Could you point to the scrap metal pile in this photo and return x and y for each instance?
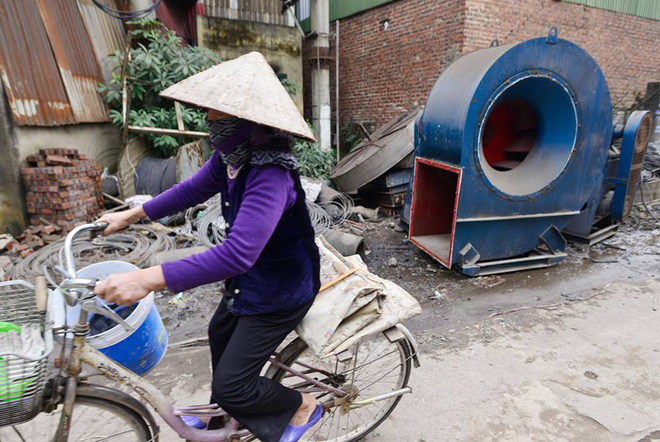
(379, 169)
(328, 209)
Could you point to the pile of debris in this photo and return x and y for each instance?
(32, 239)
(378, 170)
(63, 188)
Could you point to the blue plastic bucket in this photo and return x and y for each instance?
(139, 350)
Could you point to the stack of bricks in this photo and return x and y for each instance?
(63, 188)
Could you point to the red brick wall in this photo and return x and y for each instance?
(626, 47)
(385, 72)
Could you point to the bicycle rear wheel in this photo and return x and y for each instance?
(376, 367)
(94, 420)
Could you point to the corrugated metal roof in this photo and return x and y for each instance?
(76, 58)
(641, 8)
(29, 71)
(262, 11)
(49, 69)
(107, 34)
(344, 8)
(339, 9)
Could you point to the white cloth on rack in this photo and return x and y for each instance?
(356, 306)
(27, 343)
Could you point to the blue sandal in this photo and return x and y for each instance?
(294, 432)
(194, 421)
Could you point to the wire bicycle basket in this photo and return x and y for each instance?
(25, 344)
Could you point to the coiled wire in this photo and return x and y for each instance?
(338, 209)
(136, 245)
(206, 223)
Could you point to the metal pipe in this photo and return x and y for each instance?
(64, 424)
(69, 261)
(346, 243)
(293, 371)
(338, 138)
(514, 217)
(379, 398)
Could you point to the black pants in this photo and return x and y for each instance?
(240, 346)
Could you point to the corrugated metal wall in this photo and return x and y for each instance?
(303, 9)
(262, 11)
(49, 68)
(106, 34)
(641, 8)
(29, 71)
(76, 58)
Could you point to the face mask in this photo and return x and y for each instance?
(227, 134)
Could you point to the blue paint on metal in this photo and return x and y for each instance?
(623, 174)
(509, 210)
(581, 225)
(407, 203)
(554, 105)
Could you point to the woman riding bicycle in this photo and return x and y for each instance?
(269, 261)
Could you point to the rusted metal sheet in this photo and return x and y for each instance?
(106, 34)
(262, 11)
(385, 148)
(29, 70)
(76, 58)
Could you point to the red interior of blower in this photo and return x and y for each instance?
(509, 135)
(435, 196)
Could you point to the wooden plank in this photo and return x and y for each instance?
(173, 132)
(179, 118)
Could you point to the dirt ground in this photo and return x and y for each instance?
(563, 353)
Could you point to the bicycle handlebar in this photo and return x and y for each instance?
(69, 261)
(73, 287)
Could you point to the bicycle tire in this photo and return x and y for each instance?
(297, 348)
(45, 424)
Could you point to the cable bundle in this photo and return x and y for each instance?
(136, 245)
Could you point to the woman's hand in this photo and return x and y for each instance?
(129, 288)
(121, 220)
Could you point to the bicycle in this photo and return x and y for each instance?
(358, 388)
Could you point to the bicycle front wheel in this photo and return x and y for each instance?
(93, 420)
(375, 368)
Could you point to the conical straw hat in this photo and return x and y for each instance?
(245, 87)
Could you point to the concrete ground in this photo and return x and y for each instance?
(569, 353)
(581, 371)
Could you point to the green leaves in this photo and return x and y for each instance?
(141, 117)
(290, 86)
(312, 161)
(158, 59)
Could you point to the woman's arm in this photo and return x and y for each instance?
(268, 194)
(196, 189)
(188, 193)
(129, 288)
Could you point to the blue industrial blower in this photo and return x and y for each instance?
(513, 154)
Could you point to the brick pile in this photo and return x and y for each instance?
(63, 188)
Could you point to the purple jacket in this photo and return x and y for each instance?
(269, 192)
